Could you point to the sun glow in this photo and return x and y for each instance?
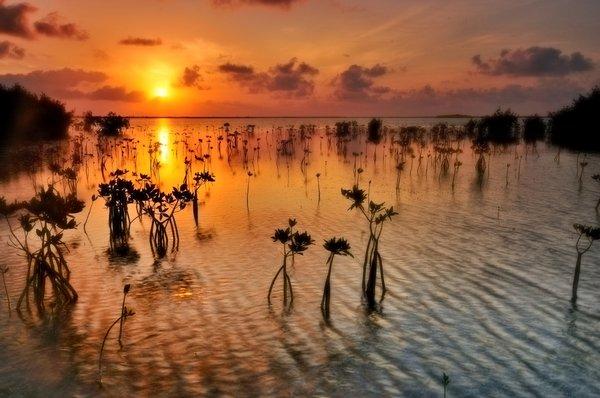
(161, 92)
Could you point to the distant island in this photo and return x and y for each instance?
(455, 116)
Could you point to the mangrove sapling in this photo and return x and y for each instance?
(48, 214)
(334, 246)
(596, 178)
(591, 234)
(126, 289)
(117, 195)
(3, 271)
(125, 313)
(161, 208)
(457, 164)
(583, 165)
(248, 190)
(445, 382)
(376, 215)
(200, 179)
(293, 243)
(319, 187)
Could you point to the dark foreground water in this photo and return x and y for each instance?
(478, 279)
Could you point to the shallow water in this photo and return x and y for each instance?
(478, 279)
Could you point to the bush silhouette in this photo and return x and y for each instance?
(502, 127)
(534, 129)
(109, 125)
(27, 116)
(575, 126)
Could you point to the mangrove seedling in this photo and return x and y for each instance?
(596, 178)
(376, 214)
(445, 382)
(117, 195)
(248, 190)
(293, 242)
(161, 208)
(319, 187)
(48, 214)
(334, 246)
(590, 234)
(126, 289)
(200, 179)
(125, 313)
(3, 271)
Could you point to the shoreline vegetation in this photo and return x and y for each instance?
(27, 117)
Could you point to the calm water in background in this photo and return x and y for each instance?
(482, 298)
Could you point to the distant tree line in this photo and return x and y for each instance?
(27, 116)
(574, 126)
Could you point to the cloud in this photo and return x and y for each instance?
(191, 77)
(66, 84)
(292, 79)
(236, 70)
(9, 50)
(111, 93)
(14, 21)
(534, 61)
(284, 4)
(51, 26)
(141, 41)
(358, 83)
(546, 95)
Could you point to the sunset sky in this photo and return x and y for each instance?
(302, 57)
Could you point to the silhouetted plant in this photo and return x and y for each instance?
(502, 127)
(575, 126)
(109, 125)
(48, 214)
(161, 208)
(250, 174)
(457, 164)
(293, 242)
(4, 271)
(374, 134)
(376, 214)
(445, 382)
(319, 187)
(125, 313)
(596, 178)
(591, 234)
(334, 246)
(534, 129)
(582, 166)
(480, 149)
(26, 116)
(200, 179)
(117, 195)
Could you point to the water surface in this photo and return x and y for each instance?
(478, 277)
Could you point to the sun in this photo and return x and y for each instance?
(161, 92)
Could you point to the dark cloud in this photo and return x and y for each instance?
(290, 79)
(534, 61)
(111, 93)
(66, 84)
(141, 41)
(52, 26)
(285, 4)
(547, 95)
(9, 50)
(191, 77)
(13, 19)
(358, 83)
(235, 69)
